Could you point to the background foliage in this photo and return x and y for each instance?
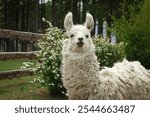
(134, 29)
(26, 15)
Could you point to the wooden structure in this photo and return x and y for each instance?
(12, 41)
(17, 55)
(19, 35)
(15, 74)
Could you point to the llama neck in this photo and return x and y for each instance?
(80, 75)
(81, 66)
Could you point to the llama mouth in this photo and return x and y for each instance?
(80, 44)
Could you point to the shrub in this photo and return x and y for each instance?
(49, 57)
(107, 53)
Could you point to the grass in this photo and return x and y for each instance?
(12, 64)
(22, 88)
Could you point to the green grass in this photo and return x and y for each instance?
(12, 64)
(22, 88)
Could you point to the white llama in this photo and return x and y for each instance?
(81, 75)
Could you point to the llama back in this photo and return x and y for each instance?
(126, 80)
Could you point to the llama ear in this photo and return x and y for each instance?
(68, 23)
(89, 23)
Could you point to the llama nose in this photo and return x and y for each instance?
(80, 39)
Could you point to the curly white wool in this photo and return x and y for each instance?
(81, 75)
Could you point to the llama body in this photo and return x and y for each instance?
(81, 75)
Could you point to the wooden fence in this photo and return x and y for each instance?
(19, 35)
(12, 41)
(15, 74)
(17, 55)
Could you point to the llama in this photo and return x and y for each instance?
(81, 75)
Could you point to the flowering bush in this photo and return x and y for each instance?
(49, 60)
(107, 53)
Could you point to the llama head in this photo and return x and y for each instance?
(79, 35)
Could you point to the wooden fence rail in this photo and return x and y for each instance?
(15, 74)
(19, 35)
(17, 55)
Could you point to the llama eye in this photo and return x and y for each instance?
(87, 36)
(71, 35)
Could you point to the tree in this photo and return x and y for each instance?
(133, 28)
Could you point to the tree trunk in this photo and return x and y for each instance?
(5, 3)
(36, 15)
(68, 6)
(75, 12)
(53, 12)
